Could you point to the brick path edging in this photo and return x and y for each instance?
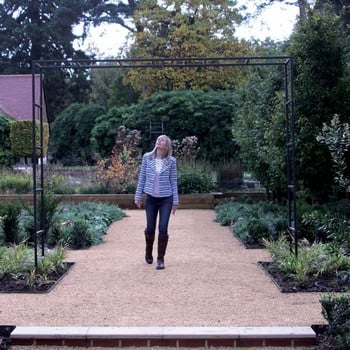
(205, 337)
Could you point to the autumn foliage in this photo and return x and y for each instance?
(119, 172)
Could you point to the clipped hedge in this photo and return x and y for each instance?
(22, 138)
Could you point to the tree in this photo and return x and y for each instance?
(108, 88)
(105, 131)
(33, 30)
(322, 87)
(259, 128)
(70, 134)
(177, 29)
(106, 12)
(206, 115)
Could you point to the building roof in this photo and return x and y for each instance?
(16, 96)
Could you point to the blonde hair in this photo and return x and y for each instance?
(168, 150)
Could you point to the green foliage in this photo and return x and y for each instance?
(337, 138)
(9, 213)
(229, 212)
(81, 236)
(336, 310)
(108, 88)
(321, 91)
(207, 115)
(312, 259)
(25, 229)
(96, 189)
(18, 262)
(22, 138)
(86, 221)
(70, 134)
(253, 222)
(57, 183)
(326, 223)
(16, 183)
(66, 223)
(6, 155)
(259, 127)
(105, 131)
(195, 181)
(15, 260)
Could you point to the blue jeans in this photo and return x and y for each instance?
(155, 205)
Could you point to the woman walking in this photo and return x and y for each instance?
(158, 180)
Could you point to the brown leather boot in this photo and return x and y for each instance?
(162, 244)
(149, 247)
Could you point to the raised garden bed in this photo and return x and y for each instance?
(319, 284)
(11, 284)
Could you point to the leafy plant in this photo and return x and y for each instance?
(252, 222)
(337, 138)
(9, 212)
(336, 310)
(25, 228)
(81, 236)
(193, 178)
(16, 183)
(15, 260)
(82, 225)
(18, 262)
(312, 259)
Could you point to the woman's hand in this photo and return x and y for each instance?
(138, 204)
(174, 209)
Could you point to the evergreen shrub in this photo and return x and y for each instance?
(253, 222)
(194, 179)
(336, 310)
(9, 213)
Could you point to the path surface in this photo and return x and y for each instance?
(210, 280)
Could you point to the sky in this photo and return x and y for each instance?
(276, 23)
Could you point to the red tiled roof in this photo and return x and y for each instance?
(16, 96)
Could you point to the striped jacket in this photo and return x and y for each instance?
(167, 178)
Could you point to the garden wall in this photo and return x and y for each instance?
(126, 201)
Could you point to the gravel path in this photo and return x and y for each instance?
(210, 280)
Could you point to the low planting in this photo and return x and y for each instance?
(17, 264)
(15, 183)
(322, 262)
(252, 222)
(75, 225)
(314, 261)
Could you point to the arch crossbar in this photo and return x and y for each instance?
(40, 66)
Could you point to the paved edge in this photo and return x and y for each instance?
(164, 336)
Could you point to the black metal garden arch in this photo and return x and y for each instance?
(40, 66)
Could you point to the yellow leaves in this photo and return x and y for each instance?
(119, 171)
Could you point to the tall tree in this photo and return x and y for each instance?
(191, 28)
(34, 30)
(108, 88)
(119, 13)
(321, 90)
